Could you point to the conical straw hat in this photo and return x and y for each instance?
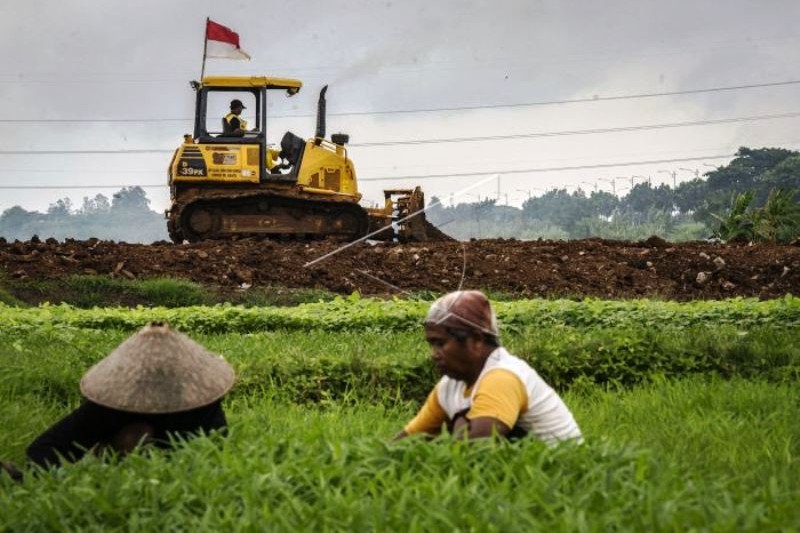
(158, 370)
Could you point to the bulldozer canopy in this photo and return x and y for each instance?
(247, 82)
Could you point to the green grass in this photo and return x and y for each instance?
(675, 455)
(7, 298)
(86, 292)
(317, 366)
(690, 413)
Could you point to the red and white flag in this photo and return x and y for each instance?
(223, 42)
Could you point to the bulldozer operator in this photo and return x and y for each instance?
(233, 125)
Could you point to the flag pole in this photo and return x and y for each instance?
(205, 50)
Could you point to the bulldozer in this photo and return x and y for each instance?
(226, 185)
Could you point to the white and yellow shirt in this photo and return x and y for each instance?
(507, 389)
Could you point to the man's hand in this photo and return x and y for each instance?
(401, 435)
(478, 428)
(460, 425)
(486, 426)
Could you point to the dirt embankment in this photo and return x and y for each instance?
(538, 268)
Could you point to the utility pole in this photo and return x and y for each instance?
(613, 182)
(695, 171)
(451, 199)
(673, 174)
(498, 188)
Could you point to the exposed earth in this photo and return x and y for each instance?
(592, 267)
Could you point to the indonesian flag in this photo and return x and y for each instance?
(223, 42)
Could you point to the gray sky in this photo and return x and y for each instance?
(133, 60)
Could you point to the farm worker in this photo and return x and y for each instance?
(233, 124)
(484, 389)
(157, 383)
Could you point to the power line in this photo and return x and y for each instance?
(421, 176)
(581, 132)
(560, 133)
(551, 169)
(86, 152)
(583, 100)
(436, 109)
(59, 187)
(78, 171)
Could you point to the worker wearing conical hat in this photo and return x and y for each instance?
(484, 389)
(157, 383)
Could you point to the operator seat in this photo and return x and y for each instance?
(292, 148)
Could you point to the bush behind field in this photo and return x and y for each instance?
(321, 366)
(355, 313)
(87, 291)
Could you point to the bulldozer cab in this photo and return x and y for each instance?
(214, 95)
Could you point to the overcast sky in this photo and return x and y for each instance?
(94, 60)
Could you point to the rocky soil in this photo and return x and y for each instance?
(593, 267)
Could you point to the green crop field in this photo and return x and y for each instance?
(691, 414)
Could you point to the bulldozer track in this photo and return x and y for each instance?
(265, 215)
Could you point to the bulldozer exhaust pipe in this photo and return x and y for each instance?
(321, 116)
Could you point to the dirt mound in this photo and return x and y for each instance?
(537, 268)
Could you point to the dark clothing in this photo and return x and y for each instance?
(92, 424)
(232, 124)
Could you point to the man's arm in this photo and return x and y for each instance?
(498, 402)
(81, 430)
(482, 427)
(429, 419)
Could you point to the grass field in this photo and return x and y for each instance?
(687, 426)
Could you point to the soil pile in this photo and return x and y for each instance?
(592, 267)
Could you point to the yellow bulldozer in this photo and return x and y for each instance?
(233, 184)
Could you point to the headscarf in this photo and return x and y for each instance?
(468, 310)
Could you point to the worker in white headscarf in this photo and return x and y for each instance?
(484, 390)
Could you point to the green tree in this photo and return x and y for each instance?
(748, 171)
(60, 208)
(690, 195)
(603, 203)
(558, 207)
(779, 219)
(743, 172)
(130, 199)
(95, 206)
(737, 223)
(785, 175)
(644, 197)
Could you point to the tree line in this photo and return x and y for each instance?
(768, 178)
(126, 216)
(754, 197)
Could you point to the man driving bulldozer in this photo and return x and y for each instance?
(233, 124)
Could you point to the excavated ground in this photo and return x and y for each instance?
(593, 267)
